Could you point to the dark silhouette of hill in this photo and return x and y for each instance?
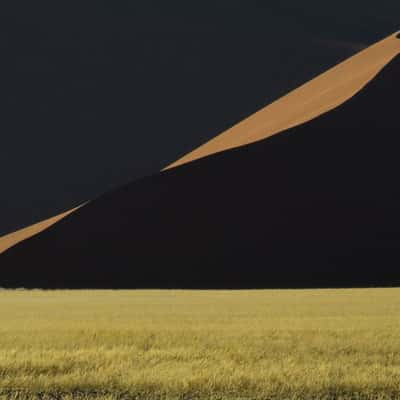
(315, 206)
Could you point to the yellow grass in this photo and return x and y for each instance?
(280, 344)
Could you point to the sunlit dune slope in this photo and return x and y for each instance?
(310, 100)
(316, 206)
(11, 239)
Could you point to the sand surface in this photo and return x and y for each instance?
(314, 98)
(13, 238)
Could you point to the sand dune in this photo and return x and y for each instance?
(11, 239)
(303, 104)
(316, 206)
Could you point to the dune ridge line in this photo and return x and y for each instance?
(318, 96)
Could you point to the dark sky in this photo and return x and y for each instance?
(96, 94)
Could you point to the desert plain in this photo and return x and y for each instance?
(182, 344)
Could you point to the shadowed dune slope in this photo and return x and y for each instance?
(310, 100)
(317, 205)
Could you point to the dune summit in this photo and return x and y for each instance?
(310, 100)
(316, 206)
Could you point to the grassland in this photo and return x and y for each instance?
(289, 344)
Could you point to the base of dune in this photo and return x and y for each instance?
(277, 344)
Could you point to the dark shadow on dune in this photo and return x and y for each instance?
(315, 206)
(398, 36)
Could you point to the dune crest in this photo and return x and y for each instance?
(314, 98)
(310, 100)
(13, 238)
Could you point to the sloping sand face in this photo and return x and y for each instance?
(303, 104)
(13, 238)
(316, 97)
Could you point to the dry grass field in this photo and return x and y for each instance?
(153, 344)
